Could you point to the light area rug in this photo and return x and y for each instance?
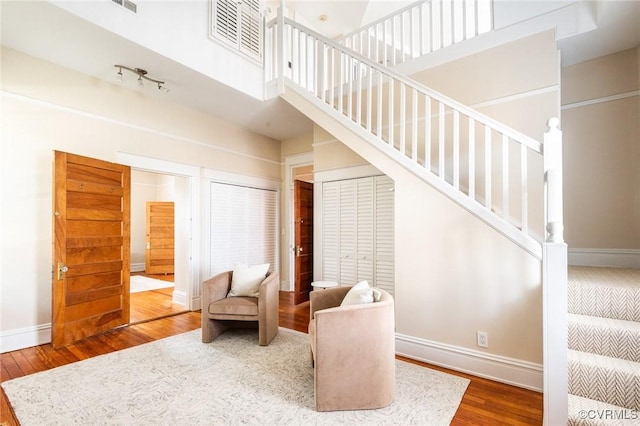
(140, 283)
(230, 381)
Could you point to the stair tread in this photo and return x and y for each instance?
(603, 361)
(612, 380)
(605, 276)
(585, 411)
(604, 322)
(604, 336)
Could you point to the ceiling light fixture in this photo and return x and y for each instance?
(142, 75)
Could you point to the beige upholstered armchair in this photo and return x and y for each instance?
(353, 350)
(220, 311)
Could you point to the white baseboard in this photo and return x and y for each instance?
(137, 267)
(511, 371)
(27, 337)
(180, 297)
(617, 258)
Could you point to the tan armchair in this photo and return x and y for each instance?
(220, 312)
(353, 351)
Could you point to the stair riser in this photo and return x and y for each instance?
(621, 388)
(605, 301)
(615, 343)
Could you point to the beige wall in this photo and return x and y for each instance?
(45, 108)
(330, 154)
(452, 268)
(454, 274)
(602, 152)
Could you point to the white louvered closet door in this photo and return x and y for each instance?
(243, 227)
(384, 234)
(357, 231)
(348, 227)
(330, 230)
(365, 241)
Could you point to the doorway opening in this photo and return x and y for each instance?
(157, 200)
(302, 232)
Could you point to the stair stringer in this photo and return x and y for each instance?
(379, 153)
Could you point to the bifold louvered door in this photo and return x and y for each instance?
(244, 227)
(357, 231)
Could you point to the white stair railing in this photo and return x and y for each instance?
(419, 29)
(476, 160)
(483, 165)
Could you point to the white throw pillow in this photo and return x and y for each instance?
(359, 294)
(247, 279)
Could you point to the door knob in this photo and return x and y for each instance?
(298, 250)
(62, 268)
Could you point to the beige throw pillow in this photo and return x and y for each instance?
(246, 279)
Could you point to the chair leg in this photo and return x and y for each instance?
(266, 334)
(212, 329)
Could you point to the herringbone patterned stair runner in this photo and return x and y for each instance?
(605, 336)
(587, 412)
(604, 346)
(605, 292)
(612, 380)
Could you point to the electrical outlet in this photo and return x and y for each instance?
(483, 339)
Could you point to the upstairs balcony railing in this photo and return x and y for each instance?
(419, 29)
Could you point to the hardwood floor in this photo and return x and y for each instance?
(484, 403)
(152, 304)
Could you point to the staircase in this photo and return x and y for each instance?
(604, 346)
(400, 126)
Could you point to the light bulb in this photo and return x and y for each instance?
(119, 76)
(163, 89)
(140, 82)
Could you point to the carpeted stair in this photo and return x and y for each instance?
(604, 346)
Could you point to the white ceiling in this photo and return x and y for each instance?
(45, 31)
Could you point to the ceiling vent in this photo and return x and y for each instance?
(127, 4)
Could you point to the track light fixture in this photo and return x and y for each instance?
(142, 75)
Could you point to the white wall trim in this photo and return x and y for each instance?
(501, 369)
(134, 126)
(27, 337)
(193, 211)
(299, 159)
(180, 297)
(516, 97)
(137, 267)
(343, 173)
(212, 175)
(616, 258)
(600, 100)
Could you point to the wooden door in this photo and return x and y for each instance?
(91, 225)
(303, 217)
(159, 258)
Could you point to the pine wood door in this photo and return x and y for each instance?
(159, 257)
(91, 225)
(303, 216)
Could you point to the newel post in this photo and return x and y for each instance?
(554, 285)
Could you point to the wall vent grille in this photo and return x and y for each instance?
(127, 4)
